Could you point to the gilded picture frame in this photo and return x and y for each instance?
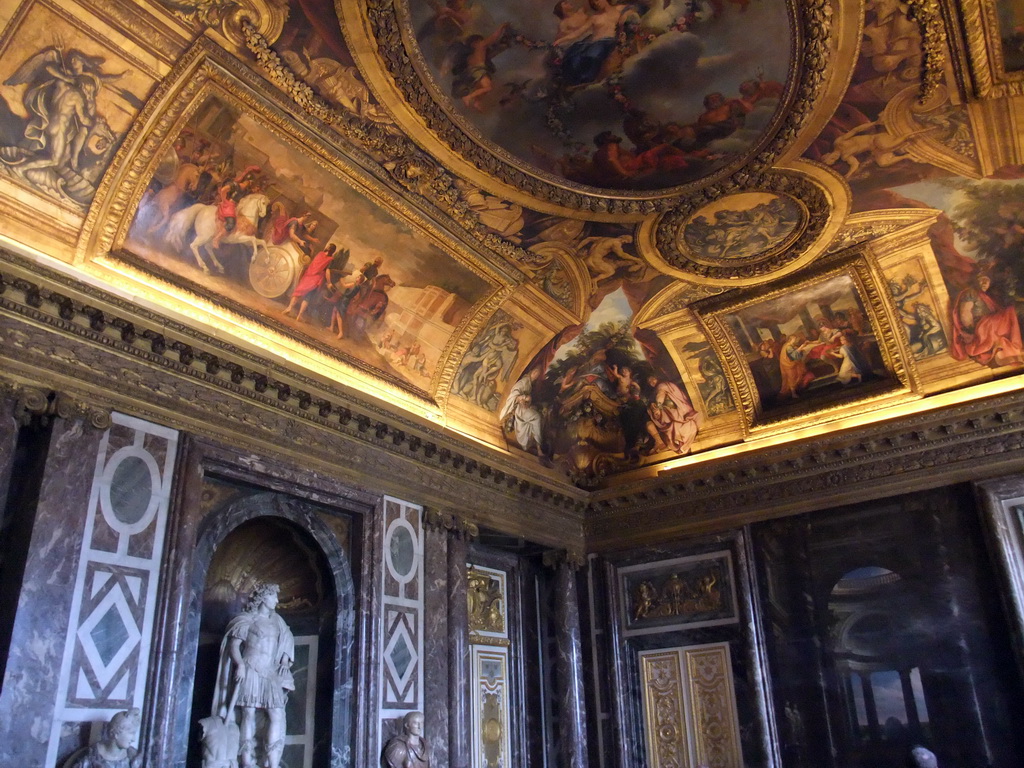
(682, 593)
(981, 47)
(812, 349)
(206, 73)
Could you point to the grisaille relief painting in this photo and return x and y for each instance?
(237, 211)
(618, 96)
(694, 591)
(66, 100)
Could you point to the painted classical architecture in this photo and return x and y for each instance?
(486, 383)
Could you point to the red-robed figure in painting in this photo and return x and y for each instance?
(984, 331)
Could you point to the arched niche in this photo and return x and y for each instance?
(879, 651)
(274, 537)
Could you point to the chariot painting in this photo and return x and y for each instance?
(238, 211)
(626, 96)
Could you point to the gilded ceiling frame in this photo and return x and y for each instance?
(891, 345)
(980, 62)
(207, 71)
(379, 34)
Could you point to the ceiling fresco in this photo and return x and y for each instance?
(604, 238)
(615, 96)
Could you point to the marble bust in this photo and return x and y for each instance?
(115, 749)
(408, 749)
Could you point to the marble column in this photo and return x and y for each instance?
(435, 642)
(459, 673)
(30, 686)
(572, 714)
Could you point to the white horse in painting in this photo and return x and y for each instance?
(251, 209)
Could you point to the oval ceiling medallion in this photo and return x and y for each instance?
(605, 106)
(743, 228)
(742, 236)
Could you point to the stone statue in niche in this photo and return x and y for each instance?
(409, 749)
(115, 749)
(255, 675)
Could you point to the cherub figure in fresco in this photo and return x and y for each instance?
(474, 66)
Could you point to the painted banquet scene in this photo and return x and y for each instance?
(511, 384)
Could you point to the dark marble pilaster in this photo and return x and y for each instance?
(459, 673)
(572, 716)
(28, 697)
(9, 427)
(435, 633)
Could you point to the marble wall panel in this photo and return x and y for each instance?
(31, 681)
(435, 641)
(402, 609)
(106, 652)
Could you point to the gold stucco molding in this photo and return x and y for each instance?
(378, 34)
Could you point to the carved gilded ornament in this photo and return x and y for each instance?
(380, 34)
(204, 73)
(979, 42)
(664, 710)
(729, 235)
(722, 319)
(689, 707)
(488, 606)
(228, 16)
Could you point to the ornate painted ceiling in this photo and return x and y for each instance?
(607, 239)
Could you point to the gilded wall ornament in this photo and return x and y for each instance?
(485, 594)
(729, 235)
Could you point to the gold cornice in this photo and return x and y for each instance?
(95, 316)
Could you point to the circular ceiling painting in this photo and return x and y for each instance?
(743, 227)
(629, 96)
